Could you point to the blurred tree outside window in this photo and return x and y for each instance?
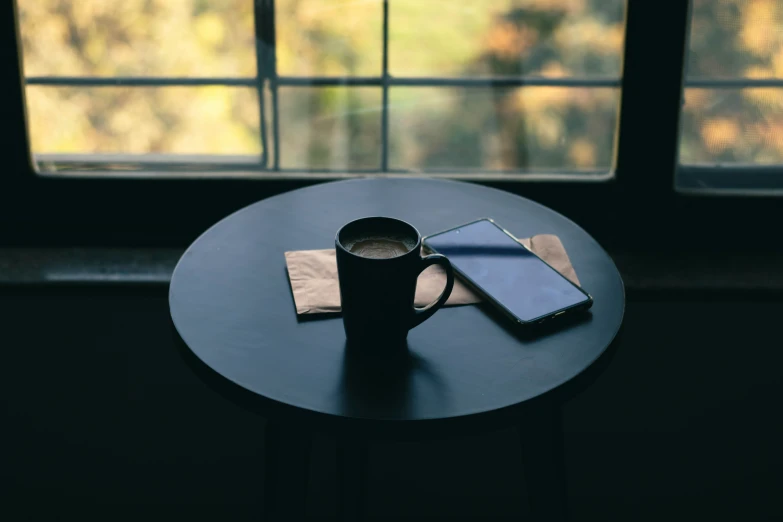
(733, 97)
(324, 105)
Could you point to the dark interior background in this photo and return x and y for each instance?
(101, 418)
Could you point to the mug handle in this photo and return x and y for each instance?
(422, 314)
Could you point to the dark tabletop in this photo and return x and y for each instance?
(231, 304)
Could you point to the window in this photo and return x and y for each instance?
(488, 89)
(731, 134)
(145, 133)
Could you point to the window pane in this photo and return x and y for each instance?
(335, 128)
(324, 125)
(732, 126)
(736, 123)
(506, 37)
(137, 37)
(143, 120)
(528, 128)
(329, 38)
(736, 38)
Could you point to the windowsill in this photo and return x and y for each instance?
(19, 266)
(641, 273)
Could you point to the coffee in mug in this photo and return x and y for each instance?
(379, 247)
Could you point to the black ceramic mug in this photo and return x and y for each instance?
(378, 262)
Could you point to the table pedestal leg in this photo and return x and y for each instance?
(286, 472)
(352, 478)
(541, 437)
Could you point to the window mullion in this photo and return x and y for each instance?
(385, 93)
(651, 94)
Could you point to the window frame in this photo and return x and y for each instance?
(267, 83)
(733, 179)
(639, 209)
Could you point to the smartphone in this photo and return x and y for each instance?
(519, 283)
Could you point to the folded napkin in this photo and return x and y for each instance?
(313, 276)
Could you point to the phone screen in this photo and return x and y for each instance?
(506, 270)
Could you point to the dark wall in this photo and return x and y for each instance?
(101, 418)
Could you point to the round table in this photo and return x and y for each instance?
(232, 306)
